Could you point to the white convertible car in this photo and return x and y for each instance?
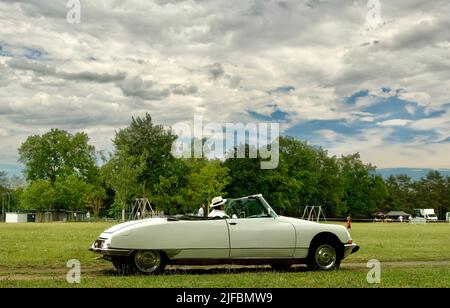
(254, 234)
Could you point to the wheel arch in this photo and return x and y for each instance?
(327, 237)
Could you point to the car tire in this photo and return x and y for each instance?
(323, 256)
(149, 262)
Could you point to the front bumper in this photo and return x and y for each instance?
(112, 252)
(99, 246)
(349, 249)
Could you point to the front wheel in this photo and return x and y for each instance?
(324, 257)
(149, 261)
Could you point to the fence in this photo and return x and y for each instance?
(380, 221)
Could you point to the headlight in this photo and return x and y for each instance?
(102, 243)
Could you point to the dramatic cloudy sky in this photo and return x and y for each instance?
(322, 68)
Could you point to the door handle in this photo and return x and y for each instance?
(233, 223)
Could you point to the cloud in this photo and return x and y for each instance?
(136, 87)
(39, 68)
(183, 90)
(92, 77)
(49, 70)
(426, 33)
(312, 65)
(215, 70)
(395, 122)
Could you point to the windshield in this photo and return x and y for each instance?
(250, 207)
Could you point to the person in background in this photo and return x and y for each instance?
(400, 219)
(349, 222)
(410, 219)
(201, 210)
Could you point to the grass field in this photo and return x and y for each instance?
(35, 255)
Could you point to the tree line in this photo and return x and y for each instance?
(64, 172)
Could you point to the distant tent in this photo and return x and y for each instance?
(378, 214)
(397, 214)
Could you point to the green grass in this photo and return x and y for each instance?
(401, 242)
(423, 277)
(47, 245)
(35, 255)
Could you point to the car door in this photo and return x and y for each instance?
(255, 234)
(201, 239)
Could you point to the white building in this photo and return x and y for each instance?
(16, 217)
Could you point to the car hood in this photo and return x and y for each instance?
(295, 220)
(134, 223)
(340, 231)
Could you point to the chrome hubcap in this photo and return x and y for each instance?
(147, 261)
(325, 257)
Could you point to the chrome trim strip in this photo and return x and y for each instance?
(112, 251)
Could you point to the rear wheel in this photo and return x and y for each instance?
(323, 256)
(149, 261)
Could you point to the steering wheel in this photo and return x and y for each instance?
(241, 215)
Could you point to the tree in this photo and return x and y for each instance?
(303, 165)
(10, 191)
(357, 179)
(143, 150)
(247, 178)
(149, 145)
(430, 192)
(281, 186)
(57, 154)
(400, 193)
(16, 182)
(95, 196)
(121, 174)
(39, 196)
(330, 188)
(3, 179)
(378, 194)
(3, 188)
(70, 193)
(166, 195)
(446, 205)
(209, 182)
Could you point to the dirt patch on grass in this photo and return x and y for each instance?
(53, 273)
(401, 264)
(51, 269)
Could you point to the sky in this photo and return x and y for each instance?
(351, 76)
